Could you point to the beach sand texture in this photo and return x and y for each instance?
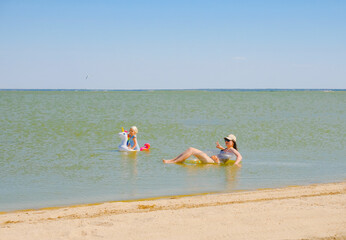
(299, 212)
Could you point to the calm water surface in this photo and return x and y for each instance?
(60, 148)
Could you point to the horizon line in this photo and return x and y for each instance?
(174, 89)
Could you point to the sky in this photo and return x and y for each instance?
(181, 44)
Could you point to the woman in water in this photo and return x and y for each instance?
(224, 155)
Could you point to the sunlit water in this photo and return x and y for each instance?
(60, 147)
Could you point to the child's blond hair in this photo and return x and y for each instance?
(134, 128)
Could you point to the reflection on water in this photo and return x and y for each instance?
(129, 171)
(231, 173)
(227, 172)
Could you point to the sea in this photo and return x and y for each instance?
(60, 148)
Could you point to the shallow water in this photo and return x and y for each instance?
(60, 147)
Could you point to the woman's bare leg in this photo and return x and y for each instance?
(187, 153)
(181, 157)
(173, 159)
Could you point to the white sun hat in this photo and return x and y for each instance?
(231, 137)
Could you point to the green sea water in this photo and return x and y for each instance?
(60, 147)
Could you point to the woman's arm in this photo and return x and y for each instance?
(219, 146)
(238, 155)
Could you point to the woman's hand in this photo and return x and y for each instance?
(219, 146)
(215, 159)
(237, 164)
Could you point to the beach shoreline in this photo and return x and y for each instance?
(300, 212)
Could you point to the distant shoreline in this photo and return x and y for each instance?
(197, 89)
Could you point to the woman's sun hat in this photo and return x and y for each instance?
(231, 137)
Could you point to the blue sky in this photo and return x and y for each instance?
(172, 44)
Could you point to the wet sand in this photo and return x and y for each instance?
(299, 212)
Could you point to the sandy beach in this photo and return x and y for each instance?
(298, 212)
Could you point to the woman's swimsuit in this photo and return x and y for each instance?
(132, 143)
(225, 155)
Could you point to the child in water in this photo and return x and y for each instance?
(132, 143)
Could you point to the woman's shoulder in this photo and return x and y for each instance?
(228, 149)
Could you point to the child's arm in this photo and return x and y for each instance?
(134, 143)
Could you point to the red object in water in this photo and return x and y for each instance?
(146, 147)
